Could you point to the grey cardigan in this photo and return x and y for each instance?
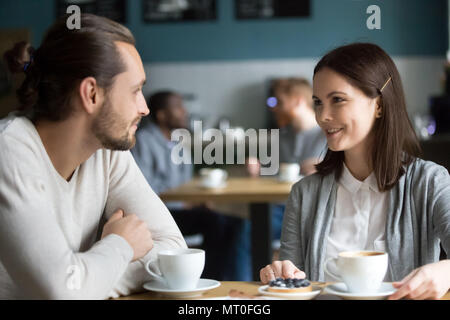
(418, 219)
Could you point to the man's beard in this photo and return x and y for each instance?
(107, 123)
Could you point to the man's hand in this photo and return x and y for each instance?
(253, 166)
(132, 229)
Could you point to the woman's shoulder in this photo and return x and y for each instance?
(313, 182)
(424, 176)
(425, 169)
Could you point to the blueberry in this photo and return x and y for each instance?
(272, 283)
(305, 283)
(290, 285)
(279, 279)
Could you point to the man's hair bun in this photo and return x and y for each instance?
(19, 57)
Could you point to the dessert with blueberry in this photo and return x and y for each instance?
(289, 285)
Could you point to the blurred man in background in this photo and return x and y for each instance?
(153, 155)
(301, 139)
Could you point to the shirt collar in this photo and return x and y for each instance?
(349, 182)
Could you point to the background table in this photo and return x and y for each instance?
(258, 192)
(249, 288)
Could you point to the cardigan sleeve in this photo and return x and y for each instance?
(439, 200)
(290, 235)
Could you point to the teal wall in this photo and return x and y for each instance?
(409, 27)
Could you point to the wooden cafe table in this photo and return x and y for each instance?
(258, 192)
(248, 289)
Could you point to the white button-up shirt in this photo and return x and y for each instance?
(359, 219)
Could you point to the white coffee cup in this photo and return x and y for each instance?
(213, 178)
(289, 172)
(362, 271)
(181, 268)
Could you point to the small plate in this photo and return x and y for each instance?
(291, 296)
(340, 289)
(220, 186)
(202, 286)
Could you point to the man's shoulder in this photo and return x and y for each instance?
(19, 145)
(287, 131)
(13, 124)
(315, 134)
(16, 134)
(5, 123)
(147, 128)
(148, 134)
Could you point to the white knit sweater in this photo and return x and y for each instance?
(49, 227)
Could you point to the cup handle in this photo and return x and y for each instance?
(152, 273)
(328, 272)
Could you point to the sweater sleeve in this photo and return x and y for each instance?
(33, 247)
(440, 206)
(130, 191)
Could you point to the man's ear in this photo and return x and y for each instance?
(91, 95)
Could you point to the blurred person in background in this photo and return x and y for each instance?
(301, 139)
(152, 153)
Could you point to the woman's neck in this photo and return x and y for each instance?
(358, 161)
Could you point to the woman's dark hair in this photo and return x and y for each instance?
(64, 59)
(367, 67)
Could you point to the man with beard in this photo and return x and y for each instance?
(221, 233)
(78, 220)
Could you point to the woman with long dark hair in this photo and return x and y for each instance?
(371, 191)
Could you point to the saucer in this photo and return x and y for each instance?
(340, 289)
(219, 186)
(202, 286)
(293, 295)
